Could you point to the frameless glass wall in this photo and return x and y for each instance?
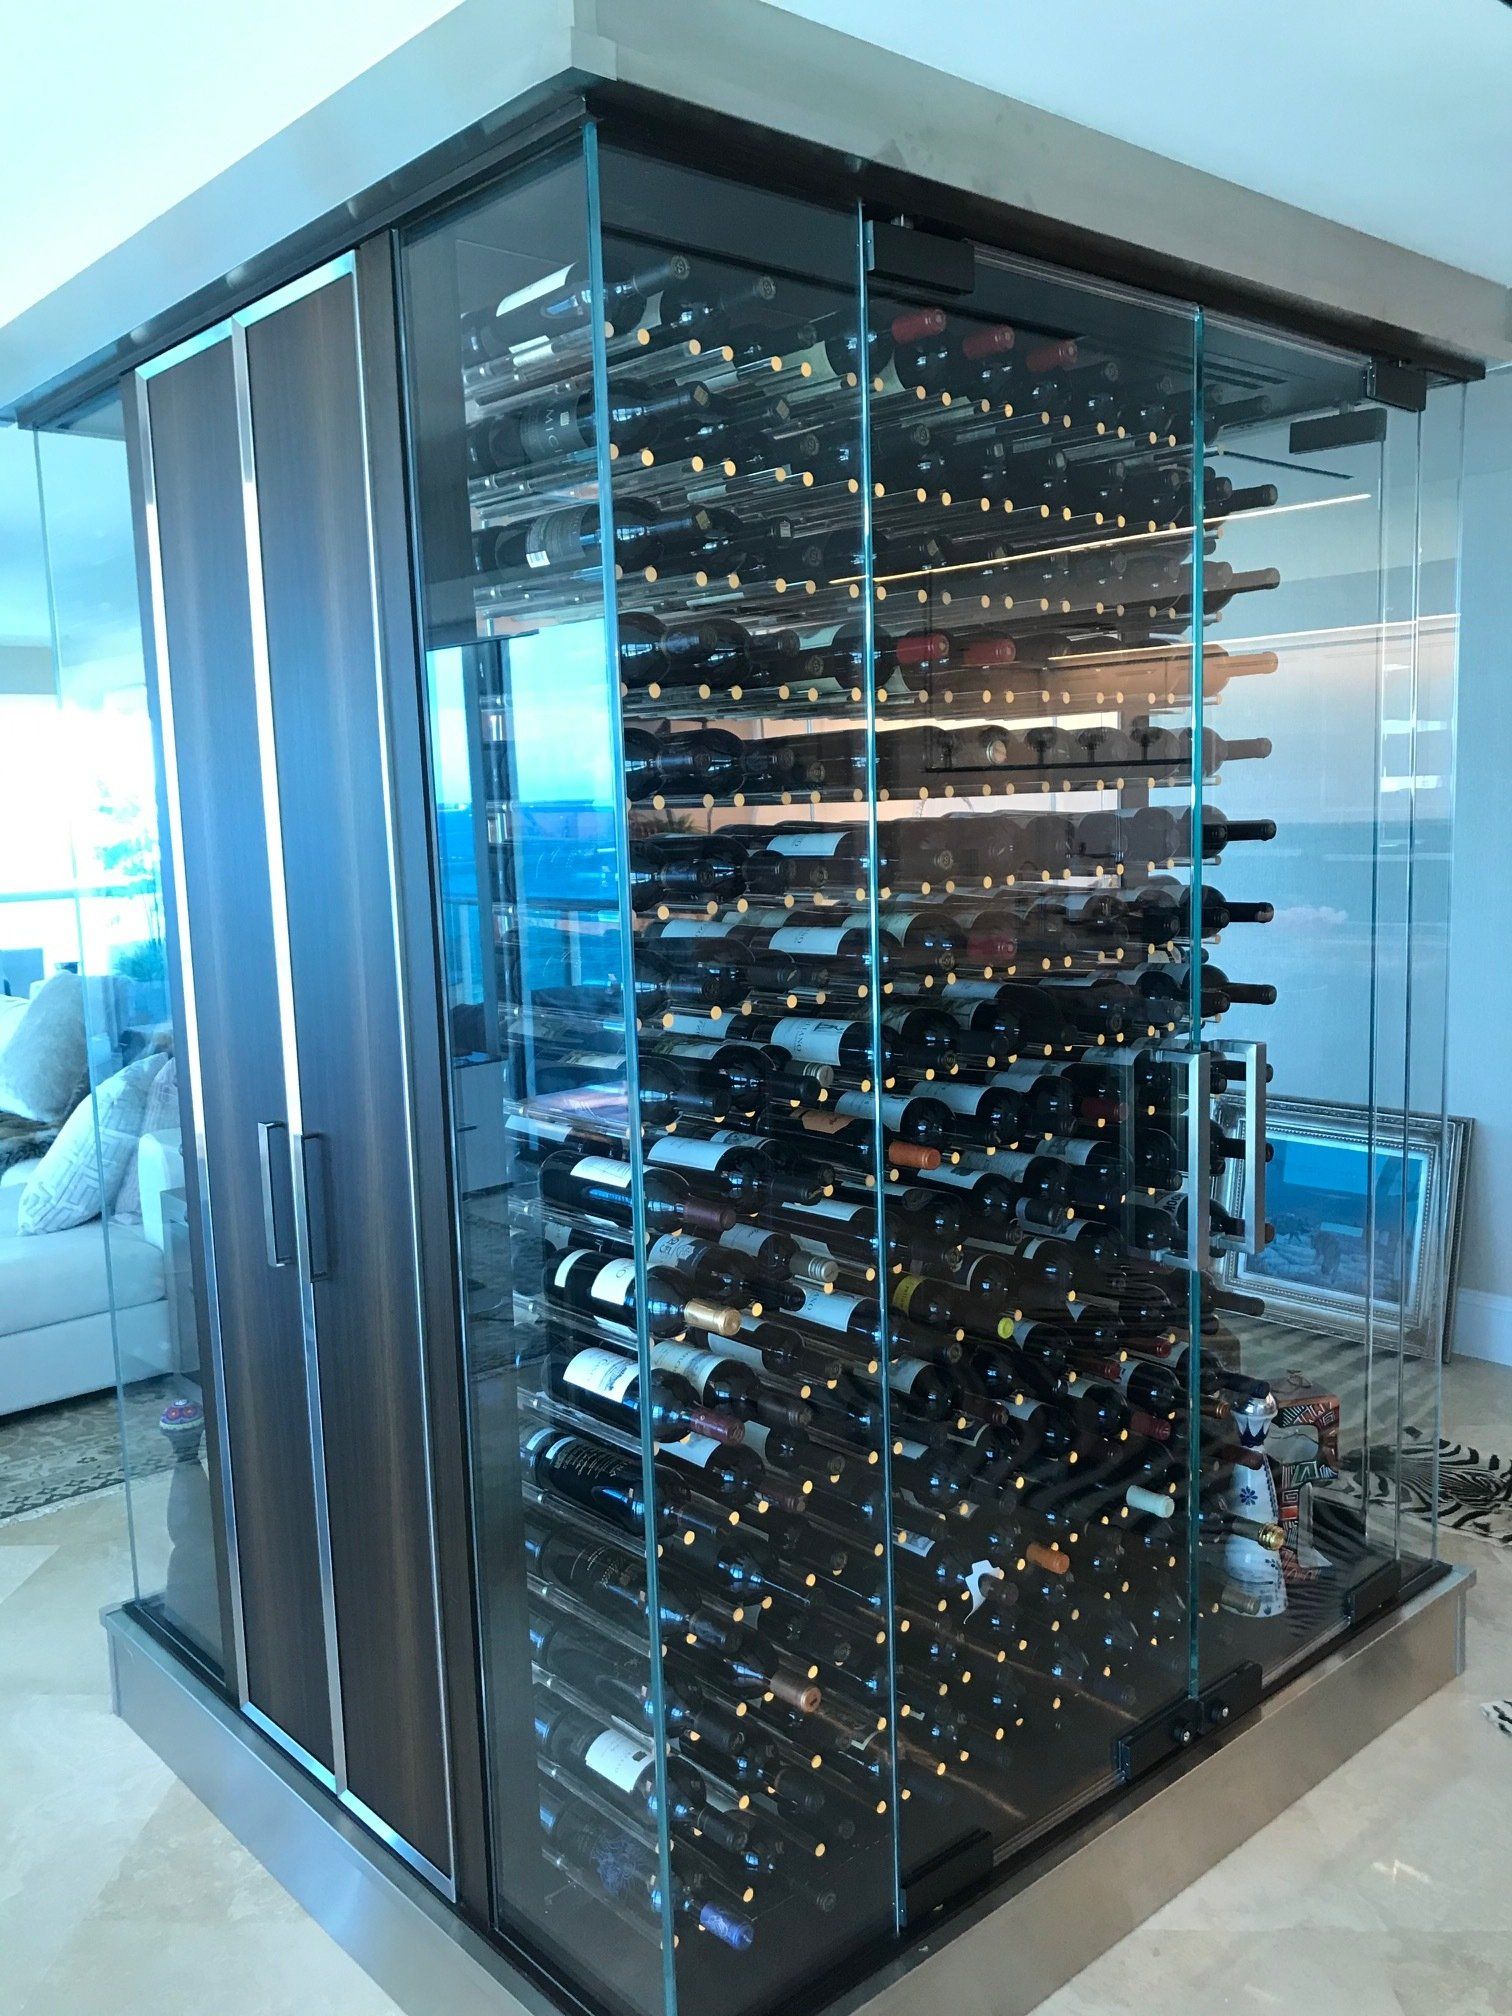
(120, 1177)
(54, 1303)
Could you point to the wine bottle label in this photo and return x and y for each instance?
(829, 1312)
(748, 1239)
(697, 1367)
(808, 938)
(858, 1106)
(831, 1209)
(675, 1024)
(565, 1266)
(748, 1354)
(1012, 1163)
(618, 1758)
(679, 1151)
(1020, 1408)
(615, 1282)
(819, 841)
(556, 538)
(568, 1460)
(960, 1098)
(1079, 1152)
(979, 1580)
(911, 1452)
(904, 1373)
(549, 431)
(1020, 1077)
(694, 1449)
(915, 1543)
(694, 927)
(603, 1169)
(903, 1294)
(822, 1120)
(756, 1438)
(605, 1373)
(959, 1179)
(894, 922)
(675, 1249)
(975, 990)
(810, 1038)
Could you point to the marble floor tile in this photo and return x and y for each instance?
(1381, 1893)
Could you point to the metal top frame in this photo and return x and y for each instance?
(852, 123)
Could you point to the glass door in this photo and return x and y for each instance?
(1318, 985)
(1034, 588)
(499, 296)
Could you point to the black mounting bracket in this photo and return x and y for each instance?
(920, 258)
(1401, 385)
(1374, 1593)
(946, 1876)
(1202, 1716)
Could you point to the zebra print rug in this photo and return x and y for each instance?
(1474, 1490)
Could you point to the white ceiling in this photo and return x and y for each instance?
(1393, 115)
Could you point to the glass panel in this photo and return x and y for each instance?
(1421, 764)
(737, 456)
(524, 728)
(1032, 471)
(39, 950)
(140, 1202)
(1312, 1339)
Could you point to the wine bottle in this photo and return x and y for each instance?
(630, 1873)
(603, 1382)
(587, 1285)
(598, 1479)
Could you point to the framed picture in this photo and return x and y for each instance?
(1358, 1214)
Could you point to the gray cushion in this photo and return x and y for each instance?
(42, 1065)
(64, 1276)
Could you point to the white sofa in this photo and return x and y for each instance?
(56, 1290)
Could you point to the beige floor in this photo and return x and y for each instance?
(1383, 1893)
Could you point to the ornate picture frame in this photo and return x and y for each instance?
(1335, 1220)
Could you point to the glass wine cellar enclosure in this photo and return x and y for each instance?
(757, 802)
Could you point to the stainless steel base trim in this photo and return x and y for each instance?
(1021, 1942)
(385, 1916)
(999, 1957)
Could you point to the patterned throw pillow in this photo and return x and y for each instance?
(73, 1183)
(160, 1117)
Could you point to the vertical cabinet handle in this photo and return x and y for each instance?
(277, 1192)
(1256, 1070)
(1199, 1182)
(317, 1205)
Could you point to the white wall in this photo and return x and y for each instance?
(1480, 944)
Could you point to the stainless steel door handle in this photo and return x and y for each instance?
(277, 1193)
(315, 1170)
(1252, 1056)
(1199, 1182)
